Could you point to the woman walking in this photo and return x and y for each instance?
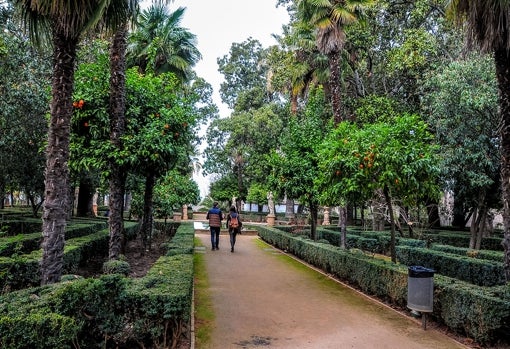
(234, 226)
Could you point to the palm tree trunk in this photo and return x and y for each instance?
(117, 129)
(334, 83)
(502, 61)
(56, 193)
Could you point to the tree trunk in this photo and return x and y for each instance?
(2, 195)
(293, 103)
(56, 192)
(481, 228)
(85, 196)
(459, 215)
(146, 227)
(117, 129)
(314, 212)
(378, 220)
(433, 213)
(342, 220)
(289, 208)
(502, 60)
(393, 251)
(334, 83)
(473, 229)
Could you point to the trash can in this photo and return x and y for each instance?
(420, 289)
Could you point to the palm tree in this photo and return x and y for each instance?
(329, 18)
(64, 22)
(125, 11)
(160, 44)
(488, 27)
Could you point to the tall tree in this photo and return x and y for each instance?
(488, 27)
(330, 18)
(23, 106)
(66, 22)
(126, 10)
(245, 73)
(461, 103)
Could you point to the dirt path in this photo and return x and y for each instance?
(263, 298)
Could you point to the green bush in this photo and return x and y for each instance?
(116, 267)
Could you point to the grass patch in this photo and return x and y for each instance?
(204, 314)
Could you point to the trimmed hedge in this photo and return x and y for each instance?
(26, 243)
(111, 311)
(489, 255)
(475, 271)
(462, 239)
(19, 225)
(481, 313)
(22, 271)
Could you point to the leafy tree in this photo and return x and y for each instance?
(223, 189)
(401, 42)
(173, 191)
(244, 73)
(396, 159)
(161, 118)
(238, 145)
(487, 26)
(461, 100)
(65, 23)
(23, 110)
(258, 193)
(294, 165)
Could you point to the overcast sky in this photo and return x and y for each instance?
(219, 23)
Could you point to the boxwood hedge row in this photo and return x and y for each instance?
(476, 271)
(463, 251)
(22, 270)
(24, 243)
(111, 311)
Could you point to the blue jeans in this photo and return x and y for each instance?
(215, 237)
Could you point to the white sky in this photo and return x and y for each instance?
(217, 24)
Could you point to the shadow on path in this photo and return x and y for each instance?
(263, 298)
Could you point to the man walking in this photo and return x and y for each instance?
(215, 216)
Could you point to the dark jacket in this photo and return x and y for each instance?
(215, 216)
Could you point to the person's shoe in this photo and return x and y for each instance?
(213, 248)
(232, 249)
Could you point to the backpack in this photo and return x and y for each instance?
(234, 221)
